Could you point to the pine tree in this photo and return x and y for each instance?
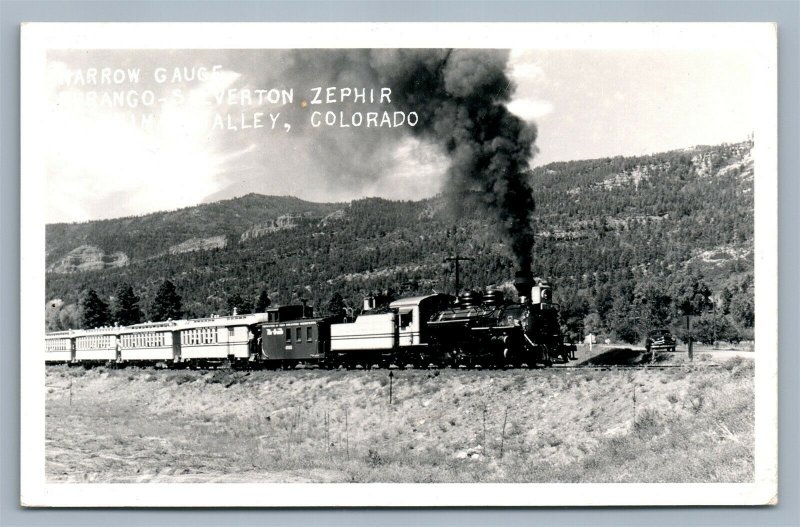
(126, 307)
(94, 312)
(262, 303)
(237, 303)
(336, 306)
(69, 316)
(167, 303)
(691, 295)
(726, 296)
(743, 309)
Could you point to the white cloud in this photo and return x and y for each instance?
(524, 66)
(527, 71)
(418, 171)
(531, 80)
(103, 163)
(415, 170)
(530, 109)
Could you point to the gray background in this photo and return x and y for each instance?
(786, 13)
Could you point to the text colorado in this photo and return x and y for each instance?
(342, 119)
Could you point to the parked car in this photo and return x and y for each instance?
(660, 339)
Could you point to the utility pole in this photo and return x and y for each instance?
(457, 259)
(714, 318)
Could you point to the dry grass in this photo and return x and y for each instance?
(690, 424)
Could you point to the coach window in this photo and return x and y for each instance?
(406, 317)
(288, 336)
(298, 334)
(309, 334)
(230, 332)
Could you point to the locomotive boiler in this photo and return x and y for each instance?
(484, 330)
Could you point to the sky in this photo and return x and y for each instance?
(157, 132)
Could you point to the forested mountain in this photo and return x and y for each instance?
(622, 239)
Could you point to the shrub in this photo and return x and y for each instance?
(374, 459)
(738, 366)
(732, 363)
(183, 378)
(647, 423)
(218, 377)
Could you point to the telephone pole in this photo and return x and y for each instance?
(457, 259)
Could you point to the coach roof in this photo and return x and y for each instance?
(416, 300)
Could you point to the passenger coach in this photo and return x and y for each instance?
(97, 345)
(151, 341)
(205, 340)
(58, 347)
(216, 339)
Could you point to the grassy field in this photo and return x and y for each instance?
(687, 423)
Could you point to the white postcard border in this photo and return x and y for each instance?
(757, 38)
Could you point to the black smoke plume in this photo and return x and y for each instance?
(460, 96)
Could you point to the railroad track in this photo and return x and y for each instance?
(554, 367)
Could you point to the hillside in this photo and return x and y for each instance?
(609, 232)
(153, 235)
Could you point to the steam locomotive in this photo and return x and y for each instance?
(474, 329)
(482, 329)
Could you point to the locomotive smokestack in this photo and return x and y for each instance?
(523, 282)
